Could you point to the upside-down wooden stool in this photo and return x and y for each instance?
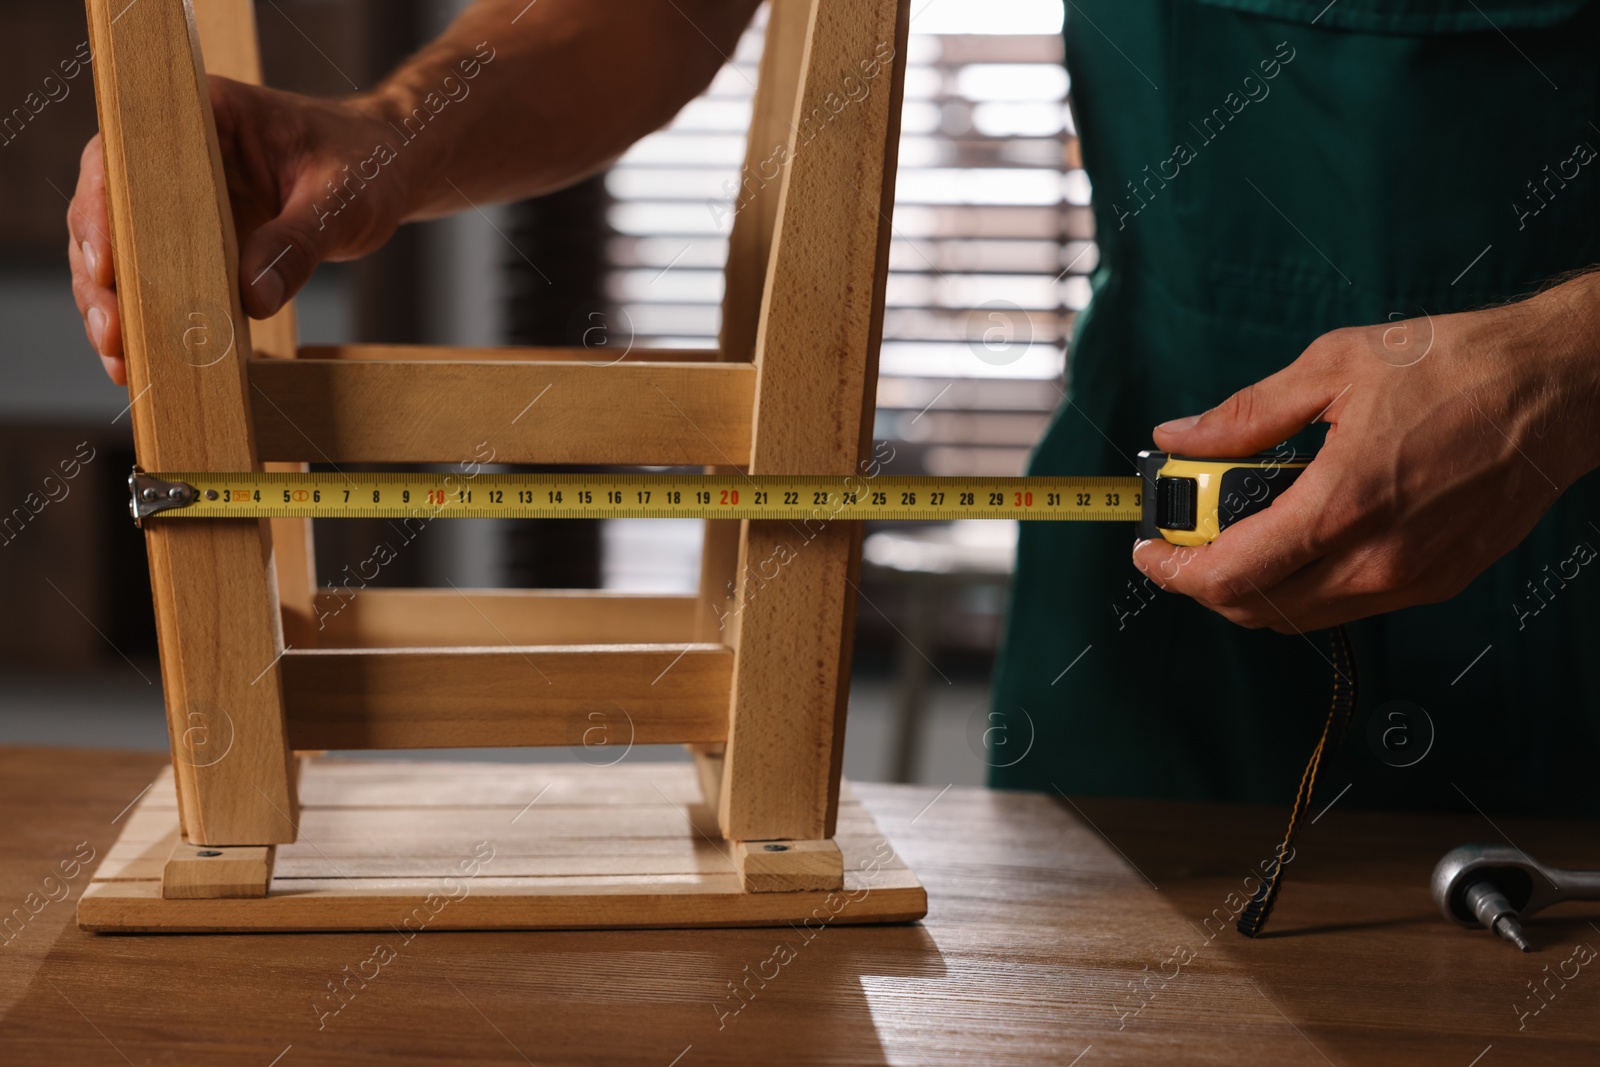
(752, 673)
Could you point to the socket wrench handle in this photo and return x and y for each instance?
(1527, 885)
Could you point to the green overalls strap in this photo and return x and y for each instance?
(1265, 171)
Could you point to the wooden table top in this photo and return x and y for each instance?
(1057, 933)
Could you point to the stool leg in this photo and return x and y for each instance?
(791, 677)
(187, 343)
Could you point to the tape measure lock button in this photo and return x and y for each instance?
(1175, 503)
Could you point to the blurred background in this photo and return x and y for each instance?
(993, 242)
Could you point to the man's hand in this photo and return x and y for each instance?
(281, 152)
(513, 100)
(1448, 438)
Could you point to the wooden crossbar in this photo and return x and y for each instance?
(589, 696)
(404, 411)
(423, 618)
(597, 357)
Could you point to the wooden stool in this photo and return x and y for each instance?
(753, 673)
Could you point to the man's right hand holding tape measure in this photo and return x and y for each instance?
(1448, 438)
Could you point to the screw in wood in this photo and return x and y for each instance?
(208, 853)
(775, 848)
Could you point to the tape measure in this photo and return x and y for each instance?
(1188, 501)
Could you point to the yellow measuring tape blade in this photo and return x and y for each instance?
(654, 496)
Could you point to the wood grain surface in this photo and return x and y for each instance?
(437, 618)
(816, 349)
(198, 872)
(499, 696)
(1038, 922)
(435, 845)
(227, 33)
(177, 287)
(419, 411)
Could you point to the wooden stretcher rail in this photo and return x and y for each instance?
(428, 618)
(599, 357)
(597, 698)
(406, 411)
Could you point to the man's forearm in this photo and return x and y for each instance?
(516, 99)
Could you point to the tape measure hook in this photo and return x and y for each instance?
(151, 496)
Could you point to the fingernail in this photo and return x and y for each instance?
(111, 367)
(97, 329)
(270, 286)
(91, 259)
(1179, 425)
(1137, 545)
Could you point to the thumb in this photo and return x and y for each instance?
(279, 257)
(1254, 419)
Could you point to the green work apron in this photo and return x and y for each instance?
(1265, 171)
